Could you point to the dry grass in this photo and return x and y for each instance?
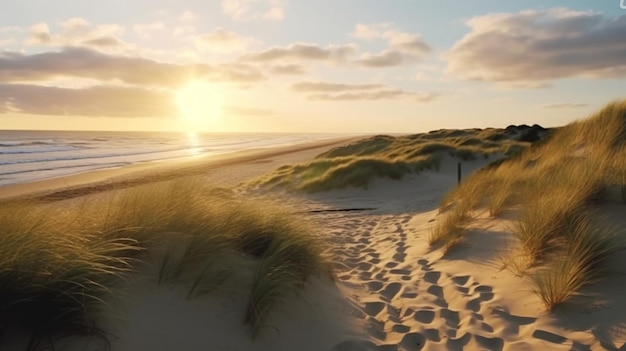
(448, 232)
(58, 266)
(356, 164)
(557, 183)
(588, 244)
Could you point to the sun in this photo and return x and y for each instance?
(200, 105)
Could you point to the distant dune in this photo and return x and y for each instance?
(357, 163)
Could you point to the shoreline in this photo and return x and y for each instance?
(76, 185)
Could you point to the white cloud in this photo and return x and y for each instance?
(180, 31)
(187, 16)
(302, 52)
(276, 11)
(7, 42)
(531, 48)
(39, 34)
(403, 47)
(331, 91)
(254, 9)
(221, 40)
(146, 30)
(78, 32)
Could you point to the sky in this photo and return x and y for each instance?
(345, 66)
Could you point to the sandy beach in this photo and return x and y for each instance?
(389, 288)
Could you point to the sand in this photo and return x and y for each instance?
(392, 292)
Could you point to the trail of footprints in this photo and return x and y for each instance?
(450, 310)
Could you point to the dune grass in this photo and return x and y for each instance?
(58, 265)
(581, 262)
(448, 232)
(555, 185)
(356, 164)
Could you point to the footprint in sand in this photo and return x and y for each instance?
(374, 286)
(494, 344)
(425, 266)
(435, 290)
(457, 344)
(432, 277)
(460, 280)
(432, 334)
(413, 342)
(451, 318)
(373, 309)
(425, 316)
(401, 328)
(391, 264)
(391, 290)
(549, 336)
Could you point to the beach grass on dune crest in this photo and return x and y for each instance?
(554, 187)
(59, 265)
(357, 163)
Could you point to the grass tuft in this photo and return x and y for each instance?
(58, 266)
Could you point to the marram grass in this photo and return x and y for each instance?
(356, 164)
(555, 185)
(58, 266)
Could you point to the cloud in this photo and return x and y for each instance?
(187, 16)
(86, 63)
(384, 59)
(302, 52)
(78, 32)
(289, 69)
(564, 105)
(246, 111)
(221, 40)
(112, 101)
(272, 10)
(146, 30)
(320, 86)
(39, 34)
(403, 47)
(330, 91)
(180, 31)
(7, 42)
(376, 95)
(541, 45)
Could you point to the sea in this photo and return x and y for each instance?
(27, 156)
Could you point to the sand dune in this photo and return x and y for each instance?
(392, 291)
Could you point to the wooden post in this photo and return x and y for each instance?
(459, 173)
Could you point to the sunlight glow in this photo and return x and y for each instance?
(200, 104)
(194, 143)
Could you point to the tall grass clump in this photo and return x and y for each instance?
(448, 232)
(60, 264)
(53, 281)
(555, 185)
(581, 262)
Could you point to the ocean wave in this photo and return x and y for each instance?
(82, 156)
(12, 151)
(14, 143)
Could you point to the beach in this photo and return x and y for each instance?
(391, 290)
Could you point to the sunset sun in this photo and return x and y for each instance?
(200, 105)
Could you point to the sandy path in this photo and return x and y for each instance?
(408, 297)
